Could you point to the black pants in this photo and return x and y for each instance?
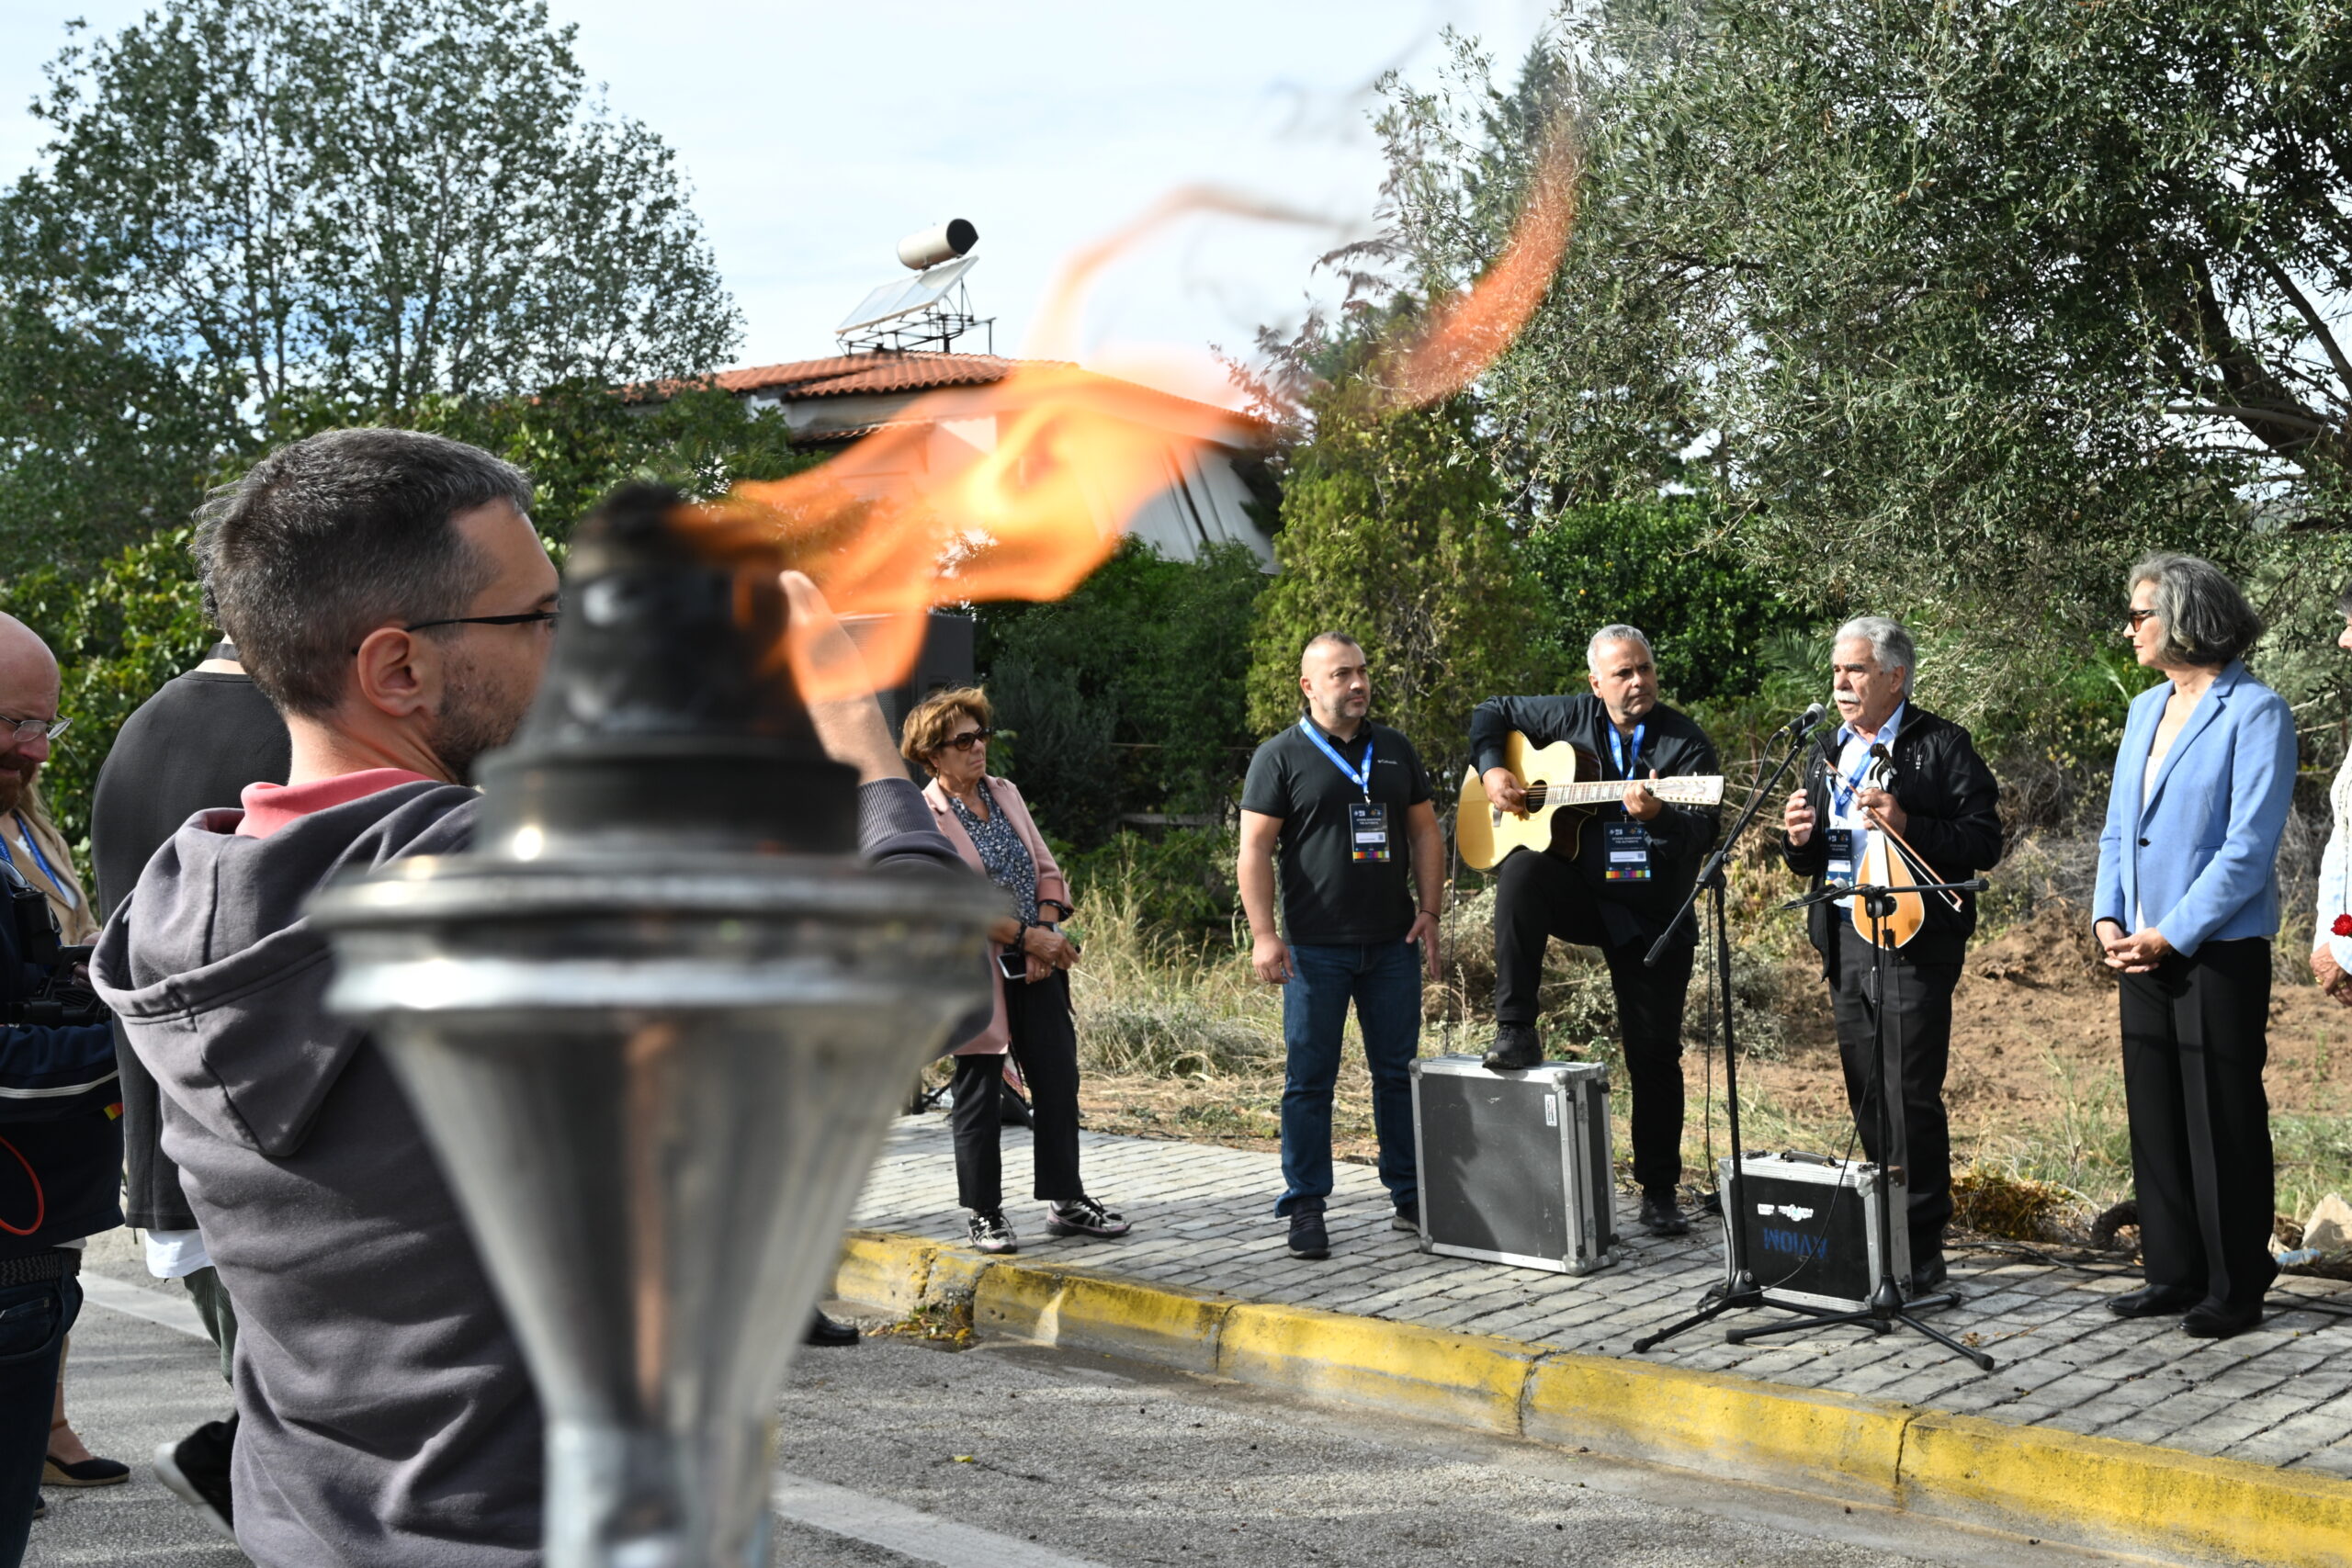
(2196, 1037)
(1918, 1030)
(1045, 1044)
(1538, 897)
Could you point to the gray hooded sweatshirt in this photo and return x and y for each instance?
(387, 1419)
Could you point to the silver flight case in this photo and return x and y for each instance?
(1811, 1229)
(1514, 1167)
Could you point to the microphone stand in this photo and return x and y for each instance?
(1737, 1289)
(1887, 1307)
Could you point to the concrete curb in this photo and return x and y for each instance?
(2092, 1492)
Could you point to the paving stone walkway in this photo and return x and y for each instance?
(1203, 1219)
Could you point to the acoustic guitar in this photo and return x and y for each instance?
(1561, 781)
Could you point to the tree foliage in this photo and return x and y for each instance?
(1127, 696)
(1953, 308)
(1394, 531)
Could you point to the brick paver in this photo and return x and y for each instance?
(1203, 1218)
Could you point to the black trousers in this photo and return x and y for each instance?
(1045, 1042)
(1538, 897)
(1919, 1031)
(2195, 1038)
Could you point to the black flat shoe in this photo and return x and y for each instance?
(831, 1333)
(2206, 1321)
(1308, 1237)
(1661, 1216)
(2153, 1301)
(1516, 1046)
(94, 1471)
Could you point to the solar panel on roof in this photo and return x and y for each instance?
(901, 296)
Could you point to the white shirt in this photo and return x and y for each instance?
(1846, 810)
(174, 1254)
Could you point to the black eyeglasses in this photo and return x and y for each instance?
(970, 739)
(529, 618)
(2132, 619)
(20, 730)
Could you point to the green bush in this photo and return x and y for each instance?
(1180, 883)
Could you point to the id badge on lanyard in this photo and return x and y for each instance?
(1627, 845)
(1839, 843)
(1368, 830)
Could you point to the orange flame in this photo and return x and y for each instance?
(1074, 456)
(1466, 334)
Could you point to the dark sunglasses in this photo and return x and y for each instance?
(2131, 618)
(970, 739)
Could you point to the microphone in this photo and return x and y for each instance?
(1801, 725)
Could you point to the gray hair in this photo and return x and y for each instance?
(2206, 621)
(1608, 635)
(1891, 645)
(326, 539)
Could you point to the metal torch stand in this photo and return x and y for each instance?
(1888, 1307)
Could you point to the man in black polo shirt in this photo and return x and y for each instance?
(1633, 865)
(1340, 807)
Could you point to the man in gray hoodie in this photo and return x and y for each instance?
(393, 601)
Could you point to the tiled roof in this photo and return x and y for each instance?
(844, 375)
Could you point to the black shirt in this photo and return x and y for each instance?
(194, 746)
(1330, 898)
(1679, 836)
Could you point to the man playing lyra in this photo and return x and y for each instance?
(1613, 883)
(1896, 793)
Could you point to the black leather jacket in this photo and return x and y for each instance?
(1953, 805)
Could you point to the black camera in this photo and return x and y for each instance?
(56, 995)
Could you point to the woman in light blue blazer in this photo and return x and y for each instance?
(2187, 905)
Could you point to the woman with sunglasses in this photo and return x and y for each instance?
(2187, 905)
(984, 817)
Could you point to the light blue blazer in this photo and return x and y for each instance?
(2201, 858)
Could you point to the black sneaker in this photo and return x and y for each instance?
(1307, 1237)
(196, 1470)
(1515, 1046)
(991, 1233)
(1083, 1216)
(1407, 1217)
(1661, 1216)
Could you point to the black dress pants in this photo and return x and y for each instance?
(1918, 1026)
(1538, 897)
(2195, 1038)
(1045, 1042)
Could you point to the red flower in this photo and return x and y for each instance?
(2343, 926)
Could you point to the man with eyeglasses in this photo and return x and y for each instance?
(61, 1152)
(391, 598)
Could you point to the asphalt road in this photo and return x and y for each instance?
(896, 1454)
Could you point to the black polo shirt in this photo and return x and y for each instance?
(1330, 898)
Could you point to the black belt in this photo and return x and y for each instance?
(39, 1267)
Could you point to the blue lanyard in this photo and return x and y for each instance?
(1617, 750)
(1363, 781)
(33, 844)
(1844, 794)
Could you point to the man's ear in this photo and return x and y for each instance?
(397, 672)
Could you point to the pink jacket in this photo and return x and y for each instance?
(1051, 885)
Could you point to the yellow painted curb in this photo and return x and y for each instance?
(1467, 1380)
(884, 1271)
(1086, 1312)
(2092, 1492)
(1810, 1439)
(2031, 1478)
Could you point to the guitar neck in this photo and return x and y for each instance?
(1693, 791)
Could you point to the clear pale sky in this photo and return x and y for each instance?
(816, 135)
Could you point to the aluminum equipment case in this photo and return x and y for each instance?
(1514, 1167)
(1812, 1233)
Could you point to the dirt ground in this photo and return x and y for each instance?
(2034, 1089)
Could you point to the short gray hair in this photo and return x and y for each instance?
(2206, 621)
(1891, 645)
(1608, 635)
(326, 539)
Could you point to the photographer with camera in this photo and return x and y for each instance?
(60, 1148)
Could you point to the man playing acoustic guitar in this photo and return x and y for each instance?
(1613, 885)
(1894, 766)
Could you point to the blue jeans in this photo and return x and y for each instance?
(33, 1321)
(1386, 984)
